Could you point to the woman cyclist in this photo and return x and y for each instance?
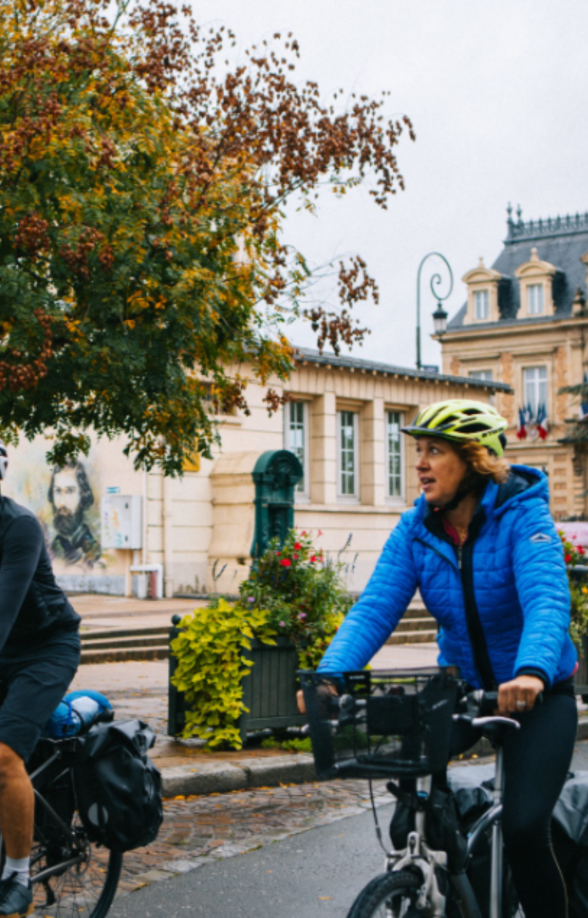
(482, 548)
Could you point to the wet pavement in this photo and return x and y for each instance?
(198, 830)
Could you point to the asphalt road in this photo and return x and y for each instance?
(313, 873)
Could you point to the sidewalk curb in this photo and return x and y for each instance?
(212, 778)
(215, 778)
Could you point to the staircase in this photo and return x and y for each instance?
(115, 645)
(417, 626)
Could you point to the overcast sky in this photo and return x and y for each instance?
(494, 89)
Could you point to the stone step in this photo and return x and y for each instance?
(122, 643)
(114, 655)
(412, 637)
(98, 634)
(417, 624)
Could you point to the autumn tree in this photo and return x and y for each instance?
(143, 181)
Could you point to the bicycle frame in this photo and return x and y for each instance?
(420, 855)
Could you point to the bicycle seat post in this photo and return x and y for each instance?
(497, 850)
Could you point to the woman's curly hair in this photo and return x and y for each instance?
(482, 463)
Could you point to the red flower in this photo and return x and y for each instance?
(312, 559)
(581, 550)
(567, 559)
(297, 546)
(285, 562)
(295, 556)
(278, 553)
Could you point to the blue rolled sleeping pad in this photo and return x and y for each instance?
(75, 713)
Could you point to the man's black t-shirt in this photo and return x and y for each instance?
(32, 605)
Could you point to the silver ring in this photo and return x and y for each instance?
(521, 704)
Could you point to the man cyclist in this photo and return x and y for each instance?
(481, 546)
(39, 655)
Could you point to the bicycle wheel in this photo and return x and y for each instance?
(70, 883)
(392, 895)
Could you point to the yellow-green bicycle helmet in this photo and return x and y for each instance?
(461, 420)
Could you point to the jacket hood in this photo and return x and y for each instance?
(523, 483)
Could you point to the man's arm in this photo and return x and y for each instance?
(22, 548)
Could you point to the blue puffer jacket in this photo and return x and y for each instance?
(512, 583)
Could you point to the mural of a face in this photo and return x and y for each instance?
(70, 495)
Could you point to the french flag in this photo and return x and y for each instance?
(542, 422)
(522, 429)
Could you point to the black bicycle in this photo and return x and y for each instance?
(70, 876)
(398, 725)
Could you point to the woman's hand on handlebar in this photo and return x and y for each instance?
(519, 695)
(328, 688)
(300, 701)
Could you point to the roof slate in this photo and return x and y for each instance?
(560, 248)
(312, 356)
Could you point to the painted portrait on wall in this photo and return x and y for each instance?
(66, 502)
(72, 498)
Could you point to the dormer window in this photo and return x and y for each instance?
(481, 305)
(536, 279)
(483, 285)
(535, 299)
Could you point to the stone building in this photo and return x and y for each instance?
(524, 323)
(343, 422)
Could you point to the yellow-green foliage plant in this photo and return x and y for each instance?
(211, 666)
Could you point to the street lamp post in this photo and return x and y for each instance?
(439, 316)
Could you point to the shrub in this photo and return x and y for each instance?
(573, 555)
(292, 592)
(209, 651)
(302, 592)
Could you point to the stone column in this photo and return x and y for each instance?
(323, 449)
(372, 453)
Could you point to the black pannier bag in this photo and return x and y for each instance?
(472, 790)
(118, 788)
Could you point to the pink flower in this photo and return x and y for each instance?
(251, 599)
(282, 624)
(295, 556)
(285, 562)
(302, 616)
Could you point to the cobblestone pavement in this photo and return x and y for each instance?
(197, 830)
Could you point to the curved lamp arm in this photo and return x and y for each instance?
(436, 279)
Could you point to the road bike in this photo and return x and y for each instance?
(397, 726)
(70, 876)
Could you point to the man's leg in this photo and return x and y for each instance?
(17, 804)
(36, 681)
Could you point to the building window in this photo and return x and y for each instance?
(535, 299)
(485, 375)
(394, 453)
(481, 304)
(348, 454)
(535, 388)
(296, 439)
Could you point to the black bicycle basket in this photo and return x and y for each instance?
(379, 724)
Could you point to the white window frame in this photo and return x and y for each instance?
(354, 497)
(400, 497)
(481, 305)
(535, 300)
(302, 489)
(535, 387)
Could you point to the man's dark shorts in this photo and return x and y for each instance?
(36, 680)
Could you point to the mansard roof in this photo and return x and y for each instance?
(559, 240)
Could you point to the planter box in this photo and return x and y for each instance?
(269, 690)
(581, 677)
